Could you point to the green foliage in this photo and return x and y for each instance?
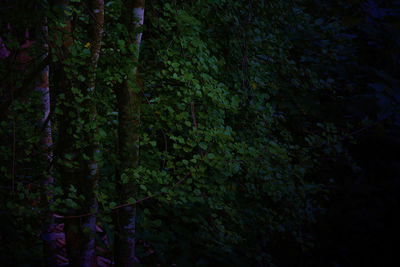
(239, 117)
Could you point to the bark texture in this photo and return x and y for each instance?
(75, 169)
(128, 133)
(48, 229)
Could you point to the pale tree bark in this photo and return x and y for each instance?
(48, 228)
(128, 134)
(96, 29)
(4, 53)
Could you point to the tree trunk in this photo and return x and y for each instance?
(48, 228)
(76, 169)
(69, 163)
(96, 29)
(128, 134)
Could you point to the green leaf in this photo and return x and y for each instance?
(124, 178)
(203, 146)
(81, 78)
(102, 133)
(72, 188)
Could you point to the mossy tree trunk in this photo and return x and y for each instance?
(128, 133)
(78, 141)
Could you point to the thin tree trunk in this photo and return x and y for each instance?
(82, 173)
(128, 134)
(69, 161)
(96, 29)
(48, 229)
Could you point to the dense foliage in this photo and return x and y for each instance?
(247, 108)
